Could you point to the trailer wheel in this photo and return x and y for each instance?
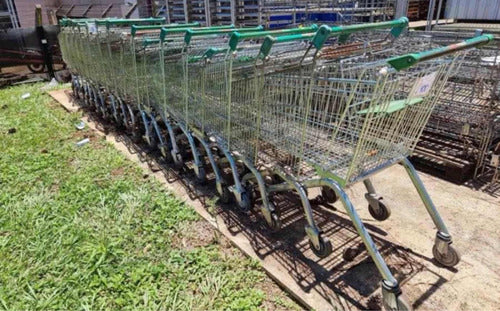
(36, 68)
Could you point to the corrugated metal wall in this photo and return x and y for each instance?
(26, 12)
(473, 9)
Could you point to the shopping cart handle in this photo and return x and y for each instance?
(324, 32)
(408, 60)
(208, 54)
(136, 28)
(129, 22)
(165, 31)
(190, 33)
(268, 43)
(149, 41)
(237, 37)
(71, 22)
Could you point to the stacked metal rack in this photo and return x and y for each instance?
(278, 13)
(460, 139)
(280, 110)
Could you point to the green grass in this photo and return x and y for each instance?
(82, 229)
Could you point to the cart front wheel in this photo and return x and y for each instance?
(450, 259)
(325, 247)
(381, 213)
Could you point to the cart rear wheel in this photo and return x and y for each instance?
(201, 177)
(451, 259)
(329, 194)
(325, 247)
(275, 224)
(381, 213)
(245, 203)
(225, 196)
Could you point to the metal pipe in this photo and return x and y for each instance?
(430, 15)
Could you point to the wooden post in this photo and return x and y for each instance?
(44, 44)
(51, 16)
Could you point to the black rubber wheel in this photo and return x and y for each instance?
(74, 89)
(36, 68)
(329, 195)
(178, 160)
(225, 196)
(275, 224)
(451, 259)
(250, 191)
(245, 204)
(350, 253)
(325, 247)
(201, 177)
(381, 213)
(165, 153)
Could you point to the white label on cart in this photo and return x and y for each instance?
(424, 85)
(495, 160)
(92, 27)
(465, 129)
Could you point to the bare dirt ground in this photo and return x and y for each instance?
(405, 241)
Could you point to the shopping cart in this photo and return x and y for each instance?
(334, 123)
(464, 125)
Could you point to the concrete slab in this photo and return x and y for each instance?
(405, 240)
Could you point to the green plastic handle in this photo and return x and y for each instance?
(324, 32)
(237, 37)
(136, 28)
(208, 54)
(270, 41)
(73, 22)
(408, 60)
(130, 22)
(165, 31)
(190, 33)
(149, 41)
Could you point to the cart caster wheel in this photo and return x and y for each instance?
(166, 155)
(451, 259)
(325, 247)
(225, 196)
(201, 176)
(328, 195)
(402, 304)
(245, 203)
(178, 161)
(275, 224)
(350, 253)
(381, 213)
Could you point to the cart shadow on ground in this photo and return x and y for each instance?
(352, 284)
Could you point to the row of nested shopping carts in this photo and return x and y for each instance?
(273, 111)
